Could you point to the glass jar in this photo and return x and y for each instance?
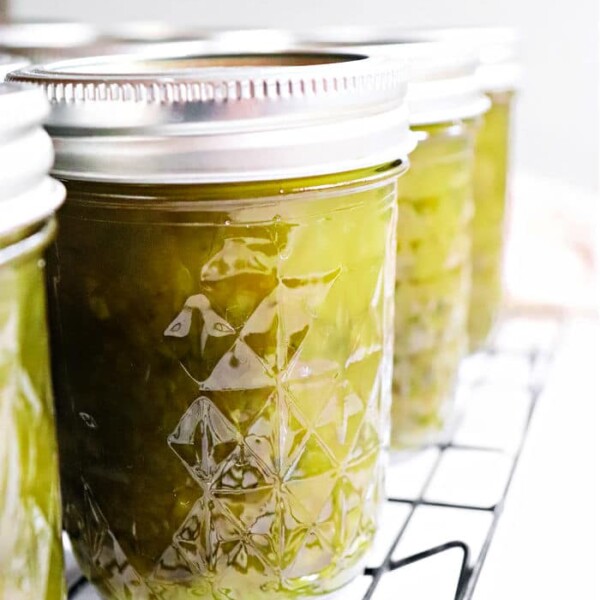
(31, 562)
(222, 331)
(499, 74)
(433, 280)
(434, 266)
(491, 177)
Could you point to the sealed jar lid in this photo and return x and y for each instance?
(148, 32)
(10, 63)
(27, 194)
(497, 50)
(200, 118)
(140, 34)
(42, 41)
(51, 41)
(443, 83)
(442, 75)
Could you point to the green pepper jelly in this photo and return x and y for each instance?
(433, 273)
(219, 355)
(30, 544)
(491, 169)
(31, 561)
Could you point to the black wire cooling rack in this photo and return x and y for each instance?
(444, 502)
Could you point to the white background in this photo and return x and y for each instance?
(558, 126)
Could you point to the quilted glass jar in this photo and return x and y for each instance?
(434, 261)
(222, 323)
(31, 562)
(491, 179)
(497, 51)
(433, 280)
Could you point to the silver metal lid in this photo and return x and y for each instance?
(200, 118)
(148, 32)
(43, 41)
(27, 194)
(443, 84)
(141, 31)
(10, 63)
(497, 49)
(499, 52)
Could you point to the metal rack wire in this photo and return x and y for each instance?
(444, 502)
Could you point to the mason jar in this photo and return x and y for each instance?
(499, 75)
(31, 564)
(434, 247)
(222, 312)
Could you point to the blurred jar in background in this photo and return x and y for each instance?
(42, 41)
(433, 271)
(499, 74)
(222, 317)
(434, 259)
(31, 564)
(10, 63)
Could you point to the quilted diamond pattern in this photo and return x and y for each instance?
(239, 378)
(290, 473)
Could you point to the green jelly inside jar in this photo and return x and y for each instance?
(433, 279)
(31, 561)
(220, 360)
(491, 172)
(221, 310)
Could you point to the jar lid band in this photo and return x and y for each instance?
(194, 117)
(443, 82)
(497, 50)
(27, 195)
(41, 40)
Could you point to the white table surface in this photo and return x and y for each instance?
(546, 543)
